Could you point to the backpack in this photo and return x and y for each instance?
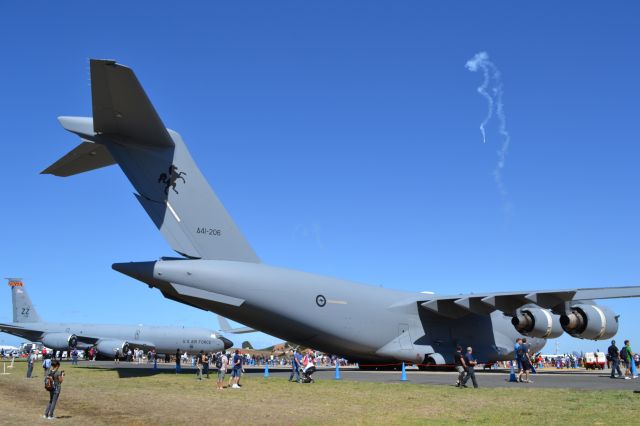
(522, 350)
(623, 353)
(219, 361)
(49, 382)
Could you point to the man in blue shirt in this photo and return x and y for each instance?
(471, 362)
(236, 369)
(46, 364)
(525, 361)
(516, 356)
(295, 365)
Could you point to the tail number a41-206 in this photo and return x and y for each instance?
(213, 232)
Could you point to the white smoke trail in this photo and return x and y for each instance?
(493, 78)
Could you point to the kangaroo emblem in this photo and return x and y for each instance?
(171, 179)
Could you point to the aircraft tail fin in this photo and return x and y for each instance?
(169, 185)
(23, 310)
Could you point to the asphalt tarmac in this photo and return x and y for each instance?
(549, 378)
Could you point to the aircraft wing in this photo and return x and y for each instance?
(27, 333)
(456, 306)
(140, 344)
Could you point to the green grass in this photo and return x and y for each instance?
(105, 397)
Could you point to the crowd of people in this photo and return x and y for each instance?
(304, 364)
(233, 364)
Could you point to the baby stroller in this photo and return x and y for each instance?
(305, 374)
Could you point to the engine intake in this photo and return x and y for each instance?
(590, 322)
(60, 341)
(537, 322)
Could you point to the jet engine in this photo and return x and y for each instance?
(590, 322)
(537, 322)
(60, 341)
(107, 347)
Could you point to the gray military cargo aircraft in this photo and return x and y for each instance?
(106, 338)
(220, 272)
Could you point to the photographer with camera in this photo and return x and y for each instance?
(53, 383)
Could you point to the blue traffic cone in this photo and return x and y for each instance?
(337, 370)
(404, 374)
(266, 370)
(512, 373)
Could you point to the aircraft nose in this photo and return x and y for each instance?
(227, 343)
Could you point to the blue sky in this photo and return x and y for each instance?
(343, 137)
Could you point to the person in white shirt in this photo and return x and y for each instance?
(222, 363)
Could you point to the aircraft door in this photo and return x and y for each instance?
(403, 336)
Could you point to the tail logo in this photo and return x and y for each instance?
(170, 179)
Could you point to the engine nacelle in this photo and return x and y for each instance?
(107, 347)
(60, 341)
(590, 322)
(537, 322)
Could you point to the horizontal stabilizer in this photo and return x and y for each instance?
(83, 158)
(81, 126)
(226, 328)
(121, 106)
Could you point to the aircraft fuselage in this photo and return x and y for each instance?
(164, 339)
(332, 315)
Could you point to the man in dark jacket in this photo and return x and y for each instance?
(614, 356)
(471, 362)
(461, 365)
